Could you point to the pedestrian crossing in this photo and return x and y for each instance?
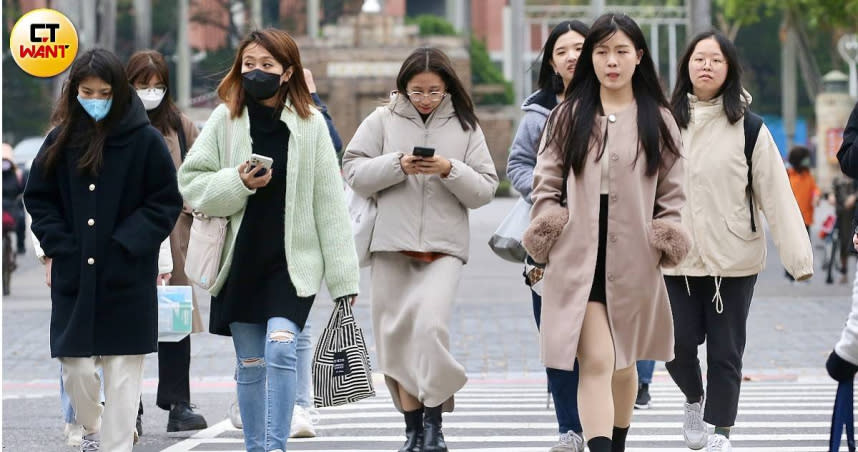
(493, 416)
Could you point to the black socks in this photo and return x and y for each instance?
(599, 444)
(618, 440)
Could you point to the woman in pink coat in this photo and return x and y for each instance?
(605, 218)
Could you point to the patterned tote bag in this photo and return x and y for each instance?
(341, 370)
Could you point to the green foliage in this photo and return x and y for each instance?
(432, 25)
(504, 189)
(823, 13)
(484, 71)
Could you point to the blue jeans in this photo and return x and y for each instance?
(305, 367)
(266, 379)
(563, 385)
(645, 370)
(65, 400)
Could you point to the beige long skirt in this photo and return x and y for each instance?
(412, 303)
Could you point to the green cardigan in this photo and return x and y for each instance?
(318, 233)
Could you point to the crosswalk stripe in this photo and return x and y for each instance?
(496, 417)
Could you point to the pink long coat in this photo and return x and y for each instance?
(638, 308)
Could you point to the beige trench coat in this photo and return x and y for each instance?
(638, 308)
(182, 231)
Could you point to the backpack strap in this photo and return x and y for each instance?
(183, 144)
(752, 124)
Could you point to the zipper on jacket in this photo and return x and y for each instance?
(423, 190)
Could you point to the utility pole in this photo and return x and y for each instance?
(700, 16)
(183, 54)
(597, 7)
(789, 79)
(107, 31)
(88, 32)
(518, 48)
(142, 24)
(313, 19)
(256, 15)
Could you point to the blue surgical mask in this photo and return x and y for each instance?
(97, 108)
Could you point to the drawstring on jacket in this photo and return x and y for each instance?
(719, 302)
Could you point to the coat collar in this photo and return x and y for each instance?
(401, 106)
(287, 115)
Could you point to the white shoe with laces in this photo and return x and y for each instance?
(694, 429)
(569, 442)
(303, 420)
(718, 443)
(235, 415)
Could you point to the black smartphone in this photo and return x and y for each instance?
(420, 151)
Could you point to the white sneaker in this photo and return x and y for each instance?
(718, 443)
(90, 443)
(73, 434)
(569, 442)
(235, 415)
(302, 423)
(694, 429)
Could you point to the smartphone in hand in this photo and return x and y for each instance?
(260, 160)
(420, 151)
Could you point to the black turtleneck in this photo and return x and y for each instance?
(259, 286)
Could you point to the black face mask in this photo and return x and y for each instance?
(259, 84)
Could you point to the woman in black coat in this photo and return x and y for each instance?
(103, 196)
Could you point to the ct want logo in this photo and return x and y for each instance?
(43, 42)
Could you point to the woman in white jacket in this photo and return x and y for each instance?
(711, 290)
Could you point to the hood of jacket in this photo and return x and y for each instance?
(134, 118)
(541, 102)
(402, 106)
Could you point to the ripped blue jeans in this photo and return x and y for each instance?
(266, 380)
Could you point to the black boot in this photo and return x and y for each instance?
(413, 431)
(433, 439)
(182, 418)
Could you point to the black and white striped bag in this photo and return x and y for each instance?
(341, 370)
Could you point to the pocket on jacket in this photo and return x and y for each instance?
(735, 247)
(65, 274)
(122, 268)
(740, 226)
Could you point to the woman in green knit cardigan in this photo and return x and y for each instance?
(288, 226)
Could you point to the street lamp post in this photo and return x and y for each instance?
(848, 48)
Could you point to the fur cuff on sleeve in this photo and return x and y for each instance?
(543, 231)
(672, 240)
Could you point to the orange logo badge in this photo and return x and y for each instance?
(43, 42)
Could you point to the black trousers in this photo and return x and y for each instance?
(696, 320)
(174, 364)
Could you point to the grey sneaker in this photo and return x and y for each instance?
(569, 442)
(718, 443)
(90, 443)
(694, 429)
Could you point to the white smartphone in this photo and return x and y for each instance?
(260, 160)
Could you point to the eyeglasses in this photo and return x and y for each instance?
(714, 62)
(434, 96)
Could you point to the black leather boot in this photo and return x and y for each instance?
(182, 418)
(413, 431)
(433, 439)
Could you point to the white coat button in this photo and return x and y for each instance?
(614, 197)
(613, 237)
(90, 261)
(612, 118)
(90, 222)
(91, 187)
(610, 276)
(615, 157)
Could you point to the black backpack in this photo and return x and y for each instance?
(752, 124)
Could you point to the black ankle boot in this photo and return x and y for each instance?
(182, 418)
(599, 444)
(433, 439)
(413, 431)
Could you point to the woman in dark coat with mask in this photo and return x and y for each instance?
(103, 196)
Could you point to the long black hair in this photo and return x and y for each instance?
(731, 91)
(430, 59)
(574, 130)
(75, 126)
(548, 77)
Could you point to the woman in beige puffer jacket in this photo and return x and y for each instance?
(421, 235)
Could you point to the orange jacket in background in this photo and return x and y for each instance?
(804, 188)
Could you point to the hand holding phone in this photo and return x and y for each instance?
(420, 151)
(257, 160)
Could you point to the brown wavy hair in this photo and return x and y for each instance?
(140, 68)
(284, 49)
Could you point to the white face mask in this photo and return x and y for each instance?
(151, 97)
